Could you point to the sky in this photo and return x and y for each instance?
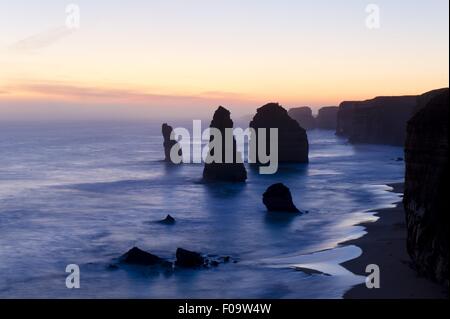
(183, 58)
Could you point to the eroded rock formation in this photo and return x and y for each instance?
(293, 144)
(278, 198)
(169, 143)
(223, 171)
(327, 118)
(303, 115)
(426, 199)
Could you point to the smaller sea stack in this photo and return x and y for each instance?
(169, 143)
(278, 198)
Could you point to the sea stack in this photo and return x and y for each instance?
(278, 198)
(303, 115)
(234, 171)
(426, 200)
(169, 143)
(293, 144)
(327, 118)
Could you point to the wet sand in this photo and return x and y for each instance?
(385, 246)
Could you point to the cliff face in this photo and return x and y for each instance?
(381, 120)
(378, 121)
(303, 115)
(222, 171)
(426, 200)
(327, 118)
(292, 139)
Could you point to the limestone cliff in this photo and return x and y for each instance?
(381, 120)
(426, 199)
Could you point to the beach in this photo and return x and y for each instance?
(385, 246)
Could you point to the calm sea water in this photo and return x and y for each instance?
(85, 193)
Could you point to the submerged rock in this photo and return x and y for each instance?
(189, 259)
(169, 143)
(278, 198)
(303, 115)
(220, 170)
(169, 220)
(293, 144)
(426, 200)
(136, 256)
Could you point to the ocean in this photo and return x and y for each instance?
(86, 192)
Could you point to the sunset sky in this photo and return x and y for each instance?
(162, 58)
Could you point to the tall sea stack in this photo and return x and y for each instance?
(426, 199)
(168, 142)
(229, 172)
(293, 144)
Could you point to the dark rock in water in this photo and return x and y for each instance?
(136, 256)
(225, 259)
(327, 118)
(278, 198)
(220, 170)
(399, 159)
(169, 220)
(293, 144)
(189, 259)
(169, 143)
(381, 120)
(303, 115)
(426, 200)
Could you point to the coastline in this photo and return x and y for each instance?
(385, 245)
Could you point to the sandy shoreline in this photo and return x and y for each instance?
(385, 246)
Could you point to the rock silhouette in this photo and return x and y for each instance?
(327, 118)
(169, 143)
(136, 256)
(426, 200)
(229, 172)
(303, 115)
(381, 120)
(189, 259)
(169, 220)
(278, 198)
(293, 144)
